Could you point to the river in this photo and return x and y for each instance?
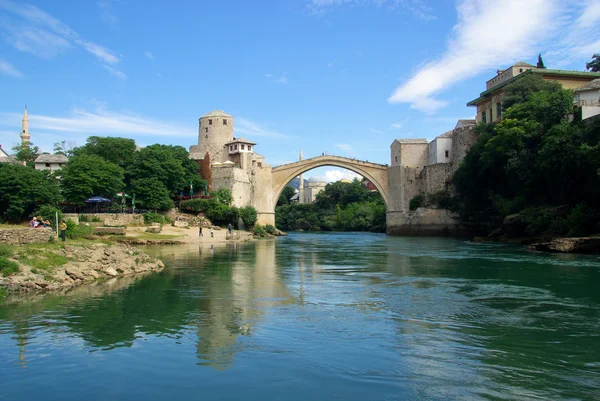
(345, 316)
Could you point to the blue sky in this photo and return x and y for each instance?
(345, 77)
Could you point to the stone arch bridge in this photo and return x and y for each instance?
(376, 173)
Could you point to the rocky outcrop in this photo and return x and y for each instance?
(569, 245)
(85, 263)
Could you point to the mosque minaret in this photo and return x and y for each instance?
(301, 184)
(25, 128)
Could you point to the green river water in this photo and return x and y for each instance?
(348, 316)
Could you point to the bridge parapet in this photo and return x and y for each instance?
(334, 162)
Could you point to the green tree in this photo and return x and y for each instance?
(26, 152)
(223, 196)
(23, 189)
(152, 194)
(119, 151)
(594, 65)
(86, 176)
(64, 147)
(285, 196)
(520, 90)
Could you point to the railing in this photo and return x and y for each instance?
(587, 103)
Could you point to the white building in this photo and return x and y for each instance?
(5, 157)
(588, 99)
(440, 149)
(312, 189)
(50, 162)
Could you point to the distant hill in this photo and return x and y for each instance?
(295, 183)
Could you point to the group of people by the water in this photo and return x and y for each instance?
(39, 222)
(212, 230)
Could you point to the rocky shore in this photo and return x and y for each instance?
(569, 245)
(58, 266)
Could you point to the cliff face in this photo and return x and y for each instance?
(50, 267)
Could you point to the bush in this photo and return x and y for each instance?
(270, 229)
(248, 215)
(259, 230)
(49, 213)
(8, 267)
(198, 205)
(84, 218)
(222, 214)
(417, 202)
(6, 250)
(76, 231)
(151, 217)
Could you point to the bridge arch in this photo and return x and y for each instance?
(375, 173)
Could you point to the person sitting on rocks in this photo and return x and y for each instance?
(33, 222)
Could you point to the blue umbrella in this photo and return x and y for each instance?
(98, 199)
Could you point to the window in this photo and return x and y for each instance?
(206, 129)
(499, 110)
(47, 164)
(230, 147)
(249, 148)
(210, 121)
(242, 147)
(447, 153)
(483, 117)
(259, 164)
(520, 70)
(396, 159)
(224, 121)
(235, 147)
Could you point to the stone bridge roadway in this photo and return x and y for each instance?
(376, 173)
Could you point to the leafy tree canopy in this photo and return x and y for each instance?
(26, 152)
(594, 65)
(152, 194)
(23, 189)
(84, 176)
(287, 193)
(520, 90)
(119, 151)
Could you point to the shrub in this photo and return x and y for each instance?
(76, 231)
(84, 218)
(6, 250)
(248, 215)
(270, 229)
(151, 217)
(417, 202)
(198, 205)
(8, 267)
(259, 230)
(222, 214)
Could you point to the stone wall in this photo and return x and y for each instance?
(17, 236)
(235, 180)
(436, 177)
(113, 219)
(262, 196)
(425, 221)
(462, 140)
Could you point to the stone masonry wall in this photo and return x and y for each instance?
(436, 177)
(18, 236)
(462, 140)
(116, 219)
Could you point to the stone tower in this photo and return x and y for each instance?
(214, 131)
(301, 184)
(25, 128)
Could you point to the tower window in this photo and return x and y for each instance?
(242, 147)
(224, 121)
(210, 121)
(206, 129)
(447, 153)
(396, 159)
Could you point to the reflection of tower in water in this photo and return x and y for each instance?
(233, 302)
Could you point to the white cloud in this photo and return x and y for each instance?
(345, 147)
(399, 124)
(99, 121)
(117, 73)
(281, 79)
(376, 131)
(149, 55)
(487, 35)
(251, 129)
(41, 34)
(335, 175)
(7, 69)
(107, 15)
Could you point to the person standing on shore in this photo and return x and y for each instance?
(200, 231)
(63, 230)
(229, 227)
(212, 232)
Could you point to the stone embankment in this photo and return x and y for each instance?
(43, 267)
(569, 245)
(26, 235)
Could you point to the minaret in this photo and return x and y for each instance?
(25, 128)
(301, 185)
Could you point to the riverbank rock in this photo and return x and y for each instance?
(109, 230)
(67, 265)
(569, 245)
(280, 233)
